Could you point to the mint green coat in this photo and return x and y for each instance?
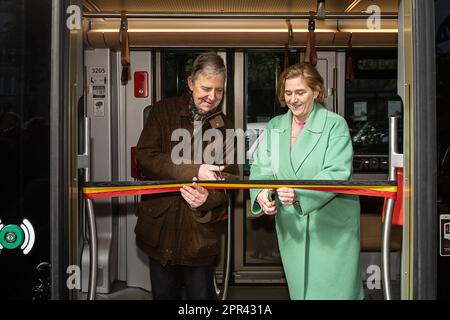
(318, 239)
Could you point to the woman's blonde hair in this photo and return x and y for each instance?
(309, 73)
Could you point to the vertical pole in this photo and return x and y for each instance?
(84, 163)
(92, 288)
(386, 232)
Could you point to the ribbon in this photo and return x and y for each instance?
(96, 190)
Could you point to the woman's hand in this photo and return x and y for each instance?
(195, 196)
(287, 196)
(267, 205)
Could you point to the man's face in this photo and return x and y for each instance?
(207, 91)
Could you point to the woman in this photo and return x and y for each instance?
(318, 232)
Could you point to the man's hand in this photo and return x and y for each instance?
(210, 172)
(268, 206)
(287, 196)
(194, 195)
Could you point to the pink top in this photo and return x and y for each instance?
(297, 128)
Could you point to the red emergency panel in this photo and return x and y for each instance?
(141, 84)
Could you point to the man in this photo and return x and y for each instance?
(178, 230)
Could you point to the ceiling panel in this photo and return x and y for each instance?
(385, 5)
(231, 6)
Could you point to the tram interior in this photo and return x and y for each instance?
(361, 65)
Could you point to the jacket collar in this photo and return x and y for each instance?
(216, 120)
(306, 142)
(184, 106)
(315, 122)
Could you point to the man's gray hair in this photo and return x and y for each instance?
(208, 63)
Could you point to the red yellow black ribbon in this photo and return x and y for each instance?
(96, 190)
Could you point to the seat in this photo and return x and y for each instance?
(136, 174)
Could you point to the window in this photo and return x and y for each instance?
(370, 99)
(177, 67)
(262, 71)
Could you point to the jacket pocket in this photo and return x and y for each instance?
(154, 207)
(150, 223)
(202, 240)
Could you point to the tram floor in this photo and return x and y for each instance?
(235, 292)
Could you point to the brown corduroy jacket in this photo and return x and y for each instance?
(168, 230)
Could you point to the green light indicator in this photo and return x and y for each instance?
(11, 236)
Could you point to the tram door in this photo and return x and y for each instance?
(257, 259)
(116, 111)
(366, 101)
(117, 115)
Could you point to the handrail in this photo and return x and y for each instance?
(83, 162)
(92, 287)
(222, 293)
(236, 15)
(395, 161)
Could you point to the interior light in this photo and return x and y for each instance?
(254, 30)
(370, 30)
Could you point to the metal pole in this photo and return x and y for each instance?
(92, 251)
(230, 236)
(83, 162)
(385, 249)
(149, 15)
(92, 227)
(301, 46)
(223, 292)
(386, 232)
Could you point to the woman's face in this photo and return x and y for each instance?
(299, 97)
(207, 91)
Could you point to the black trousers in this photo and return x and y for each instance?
(168, 281)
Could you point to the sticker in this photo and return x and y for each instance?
(99, 92)
(99, 108)
(98, 70)
(97, 76)
(444, 234)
